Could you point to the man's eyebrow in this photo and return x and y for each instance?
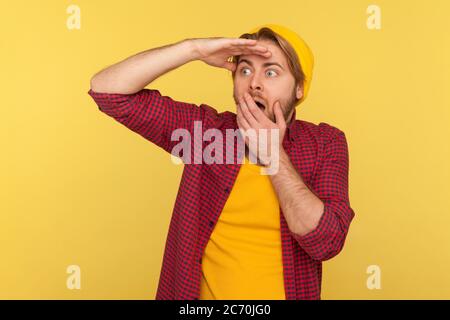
(266, 64)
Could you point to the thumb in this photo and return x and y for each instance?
(230, 66)
(279, 118)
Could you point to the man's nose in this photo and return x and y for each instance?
(256, 83)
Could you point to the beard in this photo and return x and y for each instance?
(287, 106)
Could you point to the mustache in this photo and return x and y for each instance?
(254, 96)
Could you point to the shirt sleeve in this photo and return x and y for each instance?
(330, 184)
(152, 115)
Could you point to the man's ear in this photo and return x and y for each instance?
(299, 91)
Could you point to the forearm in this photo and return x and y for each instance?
(301, 207)
(136, 72)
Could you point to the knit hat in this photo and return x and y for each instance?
(304, 53)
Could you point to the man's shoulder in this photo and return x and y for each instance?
(225, 119)
(324, 132)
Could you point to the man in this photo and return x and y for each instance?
(236, 233)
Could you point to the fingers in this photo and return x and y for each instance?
(279, 117)
(263, 53)
(242, 41)
(230, 66)
(247, 114)
(253, 108)
(248, 46)
(241, 119)
(242, 123)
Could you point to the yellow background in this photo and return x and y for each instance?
(79, 188)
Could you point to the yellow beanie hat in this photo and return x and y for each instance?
(304, 53)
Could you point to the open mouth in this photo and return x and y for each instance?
(260, 105)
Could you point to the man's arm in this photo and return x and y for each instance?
(301, 207)
(134, 73)
(318, 218)
(119, 90)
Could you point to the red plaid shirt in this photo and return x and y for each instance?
(318, 152)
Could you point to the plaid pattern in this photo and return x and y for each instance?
(318, 152)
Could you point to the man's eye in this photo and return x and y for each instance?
(242, 70)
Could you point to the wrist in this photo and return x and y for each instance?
(192, 49)
(278, 158)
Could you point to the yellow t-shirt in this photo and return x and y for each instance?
(243, 257)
